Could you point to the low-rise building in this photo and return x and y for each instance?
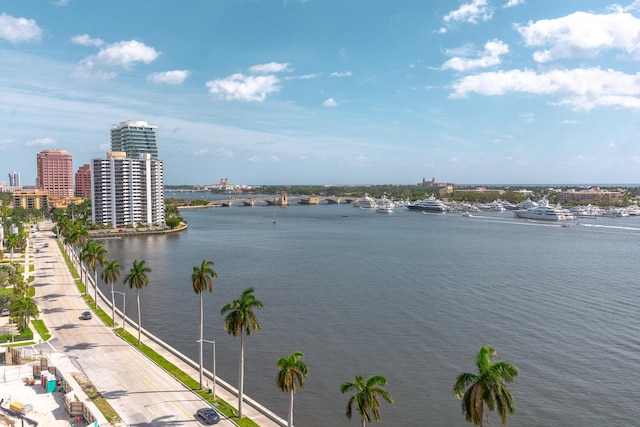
(591, 195)
(31, 198)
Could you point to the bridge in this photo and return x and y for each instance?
(282, 200)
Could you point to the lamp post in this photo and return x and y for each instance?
(124, 308)
(213, 389)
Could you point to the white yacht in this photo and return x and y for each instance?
(543, 212)
(527, 204)
(385, 206)
(429, 205)
(367, 202)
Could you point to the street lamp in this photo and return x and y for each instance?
(124, 308)
(213, 389)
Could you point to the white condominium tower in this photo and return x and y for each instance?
(14, 180)
(134, 138)
(126, 191)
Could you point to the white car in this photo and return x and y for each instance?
(4, 312)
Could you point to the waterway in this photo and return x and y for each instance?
(411, 297)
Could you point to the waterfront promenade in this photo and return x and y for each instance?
(141, 392)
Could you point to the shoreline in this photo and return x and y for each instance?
(118, 232)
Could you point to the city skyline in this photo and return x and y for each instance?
(327, 92)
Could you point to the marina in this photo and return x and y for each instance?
(411, 297)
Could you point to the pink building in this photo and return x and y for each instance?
(55, 173)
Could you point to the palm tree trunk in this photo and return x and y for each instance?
(241, 377)
(201, 332)
(95, 287)
(290, 408)
(113, 308)
(139, 320)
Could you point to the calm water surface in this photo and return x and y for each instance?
(411, 297)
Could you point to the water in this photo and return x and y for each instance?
(411, 297)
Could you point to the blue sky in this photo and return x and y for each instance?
(330, 91)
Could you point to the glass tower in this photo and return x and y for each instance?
(135, 138)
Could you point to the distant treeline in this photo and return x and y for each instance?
(415, 192)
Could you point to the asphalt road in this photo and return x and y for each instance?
(140, 392)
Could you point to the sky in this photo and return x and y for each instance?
(304, 92)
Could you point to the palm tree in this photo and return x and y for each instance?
(20, 286)
(93, 253)
(13, 242)
(488, 386)
(291, 371)
(110, 274)
(202, 279)
(137, 278)
(24, 309)
(241, 319)
(76, 235)
(367, 396)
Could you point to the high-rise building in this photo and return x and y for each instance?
(83, 181)
(127, 191)
(135, 138)
(14, 180)
(55, 173)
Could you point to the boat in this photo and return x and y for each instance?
(544, 212)
(527, 204)
(367, 202)
(428, 205)
(467, 214)
(385, 206)
(274, 220)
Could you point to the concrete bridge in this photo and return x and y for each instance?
(283, 200)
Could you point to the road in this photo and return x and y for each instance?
(140, 392)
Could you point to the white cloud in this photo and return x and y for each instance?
(330, 103)
(239, 87)
(304, 77)
(272, 67)
(61, 2)
(477, 10)
(581, 89)
(341, 74)
(41, 142)
(512, 3)
(528, 117)
(493, 50)
(86, 40)
(582, 34)
(175, 77)
(200, 152)
(361, 158)
(124, 54)
(224, 152)
(18, 30)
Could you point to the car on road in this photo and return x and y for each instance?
(4, 312)
(85, 315)
(208, 416)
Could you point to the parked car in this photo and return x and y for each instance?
(4, 312)
(208, 416)
(85, 315)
